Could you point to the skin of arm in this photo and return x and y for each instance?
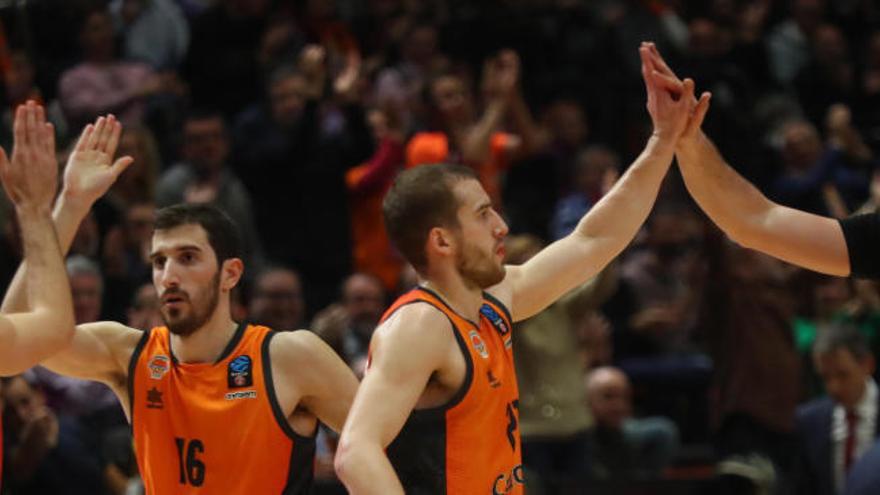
(403, 358)
(325, 385)
(30, 179)
(97, 351)
(743, 212)
(609, 226)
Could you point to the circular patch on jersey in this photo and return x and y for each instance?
(478, 344)
(159, 365)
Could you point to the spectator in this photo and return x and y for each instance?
(596, 170)
(47, 452)
(293, 150)
(554, 418)
(459, 136)
(347, 326)
(102, 83)
(745, 320)
(144, 312)
(205, 176)
(400, 86)
(367, 184)
(835, 431)
(789, 42)
(277, 301)
(92, 402)
(155, 31)
(810, 167)
(224, 44)
(625, 446)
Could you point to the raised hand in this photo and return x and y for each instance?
(501, 75)
(90, 169)
(31, 176)
(669, 96)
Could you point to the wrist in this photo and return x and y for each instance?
(660, 142)
(72, 201)
(30, 212)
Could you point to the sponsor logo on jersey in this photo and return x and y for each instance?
(239, 373)
(154, 399)
(506, 482)
(158, 365)
(244, 394)
(478, 344)
(495, 319)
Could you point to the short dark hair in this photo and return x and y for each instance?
(222, 232)
(420, 199)
(841, 336)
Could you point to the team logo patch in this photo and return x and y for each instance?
(478, 344)
(497, 321)
(240, 373)
(159, 365)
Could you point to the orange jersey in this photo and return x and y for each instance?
(214, 428)
(470, 445)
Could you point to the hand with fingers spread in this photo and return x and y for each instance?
(30, 177)
(90, 169)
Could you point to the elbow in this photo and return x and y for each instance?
(344, 459)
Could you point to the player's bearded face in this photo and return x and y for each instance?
(194, 308)
(479, 265)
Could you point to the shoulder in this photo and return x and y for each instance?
(112, 332)
(415, 328)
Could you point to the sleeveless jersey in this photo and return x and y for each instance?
(471, 444)
(214, 428)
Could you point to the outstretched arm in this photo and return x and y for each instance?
(30, 179)
(745, 214)
(609, 226)
(89, 173)
(403, 358)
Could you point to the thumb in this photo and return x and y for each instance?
(120, 165)
(696, 120)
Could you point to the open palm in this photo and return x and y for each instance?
(30, 177)
(90, 169)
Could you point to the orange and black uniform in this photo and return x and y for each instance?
(471, 444)
(214, 428)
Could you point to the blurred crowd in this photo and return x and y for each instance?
(687, 358)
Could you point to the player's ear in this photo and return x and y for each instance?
(440, 241)
(230, 273)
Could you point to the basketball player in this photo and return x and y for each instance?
(440, 392)
(30, 178)
(827, 245)
(215, 406)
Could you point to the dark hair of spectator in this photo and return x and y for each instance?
(837, 336)
(419, 200)
(222, 232)
(199, 114)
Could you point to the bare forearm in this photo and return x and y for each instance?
(47, 285)
(477, 141)
(67, 215)
(366, 471)
(533, 137)
(734, 204)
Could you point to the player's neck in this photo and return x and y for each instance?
(465, 299)
(206, 343)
